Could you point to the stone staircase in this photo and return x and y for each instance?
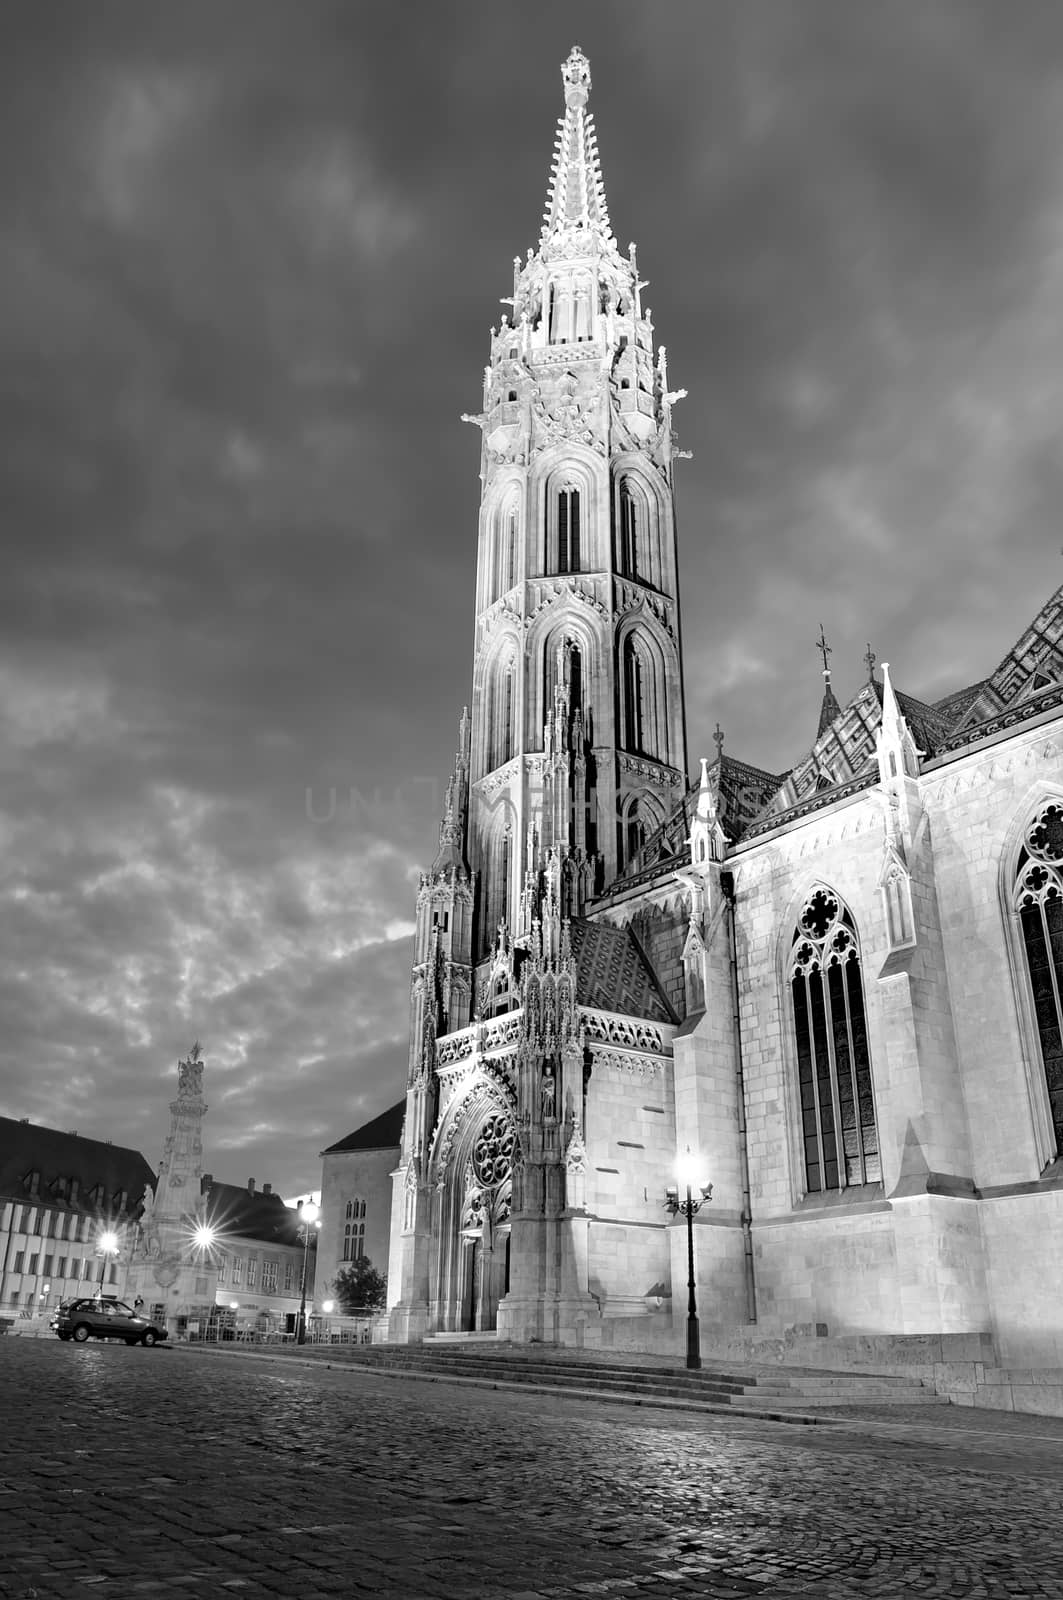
(759, 1391)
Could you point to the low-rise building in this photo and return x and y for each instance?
(68, 1215)
(258, 1259)
(356, 1190)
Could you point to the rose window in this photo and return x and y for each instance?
(492, 1154)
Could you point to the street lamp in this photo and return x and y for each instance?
(689, 1168)
(108, 1245)
(308, 1214)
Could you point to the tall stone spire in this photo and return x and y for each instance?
(576, 196)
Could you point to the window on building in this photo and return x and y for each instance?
(1039, 903)
(31, 1219)
(269, 1276)
(634, 696)
(568, 531)
(252, 1271)
(238, 1272)
(20, 1256)
(16, 1218)
(46, 1268)
(75, 1267)
(112, 1272)
(629, 533)
(60, 1267)
(838, 1130)
(353, 1241)
(31, 1264)
(355, 1210)
(222, 1265)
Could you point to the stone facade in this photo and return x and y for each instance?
(838, 987)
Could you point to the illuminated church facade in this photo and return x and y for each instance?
(839, 986)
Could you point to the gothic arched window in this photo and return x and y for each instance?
(634, 696)
(629, 533)
(838, 1130)
(568, 554)
(1039, 904)
(354, 1230)
(511, 548)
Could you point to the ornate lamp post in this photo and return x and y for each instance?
(308, 1222)
(689, 1173)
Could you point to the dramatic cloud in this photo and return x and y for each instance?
(249, 257)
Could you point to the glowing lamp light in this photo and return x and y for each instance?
(107, 1242)
(234, 1305)
(690, 1170)
(203, 1236)
(328, 1307)
(309, 1212)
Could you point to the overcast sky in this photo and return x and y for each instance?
(249, 257)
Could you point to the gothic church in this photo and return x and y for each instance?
(838, 986)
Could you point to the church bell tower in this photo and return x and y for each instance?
(577, 749)
(573, 752)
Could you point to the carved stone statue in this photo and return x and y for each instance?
(549, 1093)
(190, 1074)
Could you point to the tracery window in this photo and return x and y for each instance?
(492, 1154)
(1039, 903)
(353, 1240)
(838, 1129)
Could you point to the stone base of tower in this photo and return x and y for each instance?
(408, 1324)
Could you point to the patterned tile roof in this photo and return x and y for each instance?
(613, 973)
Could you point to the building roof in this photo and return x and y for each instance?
(383, 1133)
(613, 974)
(241, 1214)
(73, 1173)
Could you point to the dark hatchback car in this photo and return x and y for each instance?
(104, 1319)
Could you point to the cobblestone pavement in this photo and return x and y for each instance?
(142, 1473)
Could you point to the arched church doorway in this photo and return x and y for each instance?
(485, 1224)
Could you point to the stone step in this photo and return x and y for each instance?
(745, 1391)
(569, 1379)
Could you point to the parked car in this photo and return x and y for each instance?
(104, 1319)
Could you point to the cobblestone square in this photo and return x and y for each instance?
(173, 1471)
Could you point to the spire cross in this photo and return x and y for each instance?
(825, 650)
(870, 660)
(717, 740)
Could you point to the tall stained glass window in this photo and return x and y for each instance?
(1039, 902)
(839, 1134)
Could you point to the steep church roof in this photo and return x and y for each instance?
(383, 1133)
(613, 974)
(1033, 664)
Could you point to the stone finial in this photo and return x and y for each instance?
(576, 76)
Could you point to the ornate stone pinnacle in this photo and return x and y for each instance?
(576, 76)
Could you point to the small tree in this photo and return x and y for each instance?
(360, 1287)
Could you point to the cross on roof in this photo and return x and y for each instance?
(824, 649)
(718, 741)
(870, 659)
